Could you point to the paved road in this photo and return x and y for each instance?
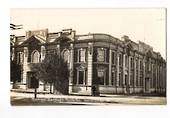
(50, 99)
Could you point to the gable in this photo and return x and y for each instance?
(33, 40)
(62, 39)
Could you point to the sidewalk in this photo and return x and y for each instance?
(111, 99)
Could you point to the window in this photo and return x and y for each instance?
(126, 79)
(101, 77)
(82, 55)
(113, 78)
(113, 57)
(131, 79)
(132, 62)
(126, 61)
(101, 54)
(120, 79)
(120, 59)
(141, 65)
(137, 73)
(141, 74)
(81, 77)
(35, 57)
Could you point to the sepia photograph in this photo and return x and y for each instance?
(92, 57)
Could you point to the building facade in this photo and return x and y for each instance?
(98, 63)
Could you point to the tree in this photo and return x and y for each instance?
(15, 72)
(53, 70)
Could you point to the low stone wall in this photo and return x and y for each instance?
(23, 86)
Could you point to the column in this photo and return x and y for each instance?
(110, 66)
(25, 65)
(89, 66)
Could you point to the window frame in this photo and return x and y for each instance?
(79, 55)
(84, 77)
(104, 56)
(104, 76)
(113, 57)
(32, 56)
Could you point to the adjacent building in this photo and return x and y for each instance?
(98, 63)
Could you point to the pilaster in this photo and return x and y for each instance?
(124, 89)
(110, 66)
(25, 65)
(42, 53)
(134, 72)
(89, 64)
(129, 70)
(71, 64)
(117, 77)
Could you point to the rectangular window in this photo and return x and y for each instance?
(131, 79)
(141, 65)
(101, 77)
(113, 78)
(101, 54)
(113, 57)
(81, 77)
(82, 55)
(131, 62)
(120, 59)
(126, 61)
(126, 79)
(137, 73)
(154, 76)
(120, 79)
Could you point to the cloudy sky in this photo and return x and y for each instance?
(147, 25)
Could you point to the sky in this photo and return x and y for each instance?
(147, 25)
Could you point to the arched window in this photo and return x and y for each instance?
(35, 57)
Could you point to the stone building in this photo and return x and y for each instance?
(98, 63)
